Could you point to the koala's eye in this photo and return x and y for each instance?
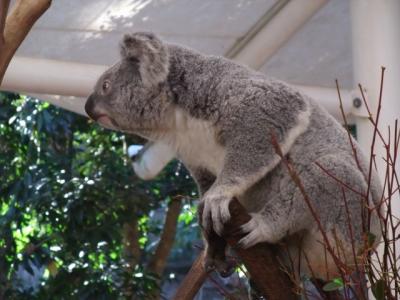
(106, 85)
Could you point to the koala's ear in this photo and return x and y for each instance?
(151, 53)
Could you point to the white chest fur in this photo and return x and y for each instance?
(195, 143)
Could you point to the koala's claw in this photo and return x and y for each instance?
(227, 269)
(209, 267)
(223, 267)
(248, 241)
(257, 231)
(215, 213)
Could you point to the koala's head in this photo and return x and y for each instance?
(131, 96)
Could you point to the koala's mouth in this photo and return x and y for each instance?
(106, 121)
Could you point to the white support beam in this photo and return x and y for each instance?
(326, 97)
(45, 76)
(272, 31)
(71, 103)
(68, 84)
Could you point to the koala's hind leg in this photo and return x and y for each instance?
(215, 246)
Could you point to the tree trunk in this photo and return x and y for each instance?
(159, 259)
(131, 250)
(17, 26)
(131, 242)
(160, 256)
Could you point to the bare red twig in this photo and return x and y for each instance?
(338, 180)
(353, 148)
(374, 138)
(296, 179)
(358, 270)
(382, 269)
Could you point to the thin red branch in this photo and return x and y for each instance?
(338, 180)
(353, 148)
(360, 273)
(374, 137)
(296, 179)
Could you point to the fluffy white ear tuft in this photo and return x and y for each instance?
(151, 53)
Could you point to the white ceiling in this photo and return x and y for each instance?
(320, 52)
(88, 31)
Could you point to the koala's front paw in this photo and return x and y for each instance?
(216, 211)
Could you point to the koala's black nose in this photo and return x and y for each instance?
(89, 107)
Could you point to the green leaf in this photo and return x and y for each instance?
(378, 289)
(334, 285)
(371, 239)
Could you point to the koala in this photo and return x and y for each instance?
(217, 117)
(150, 160)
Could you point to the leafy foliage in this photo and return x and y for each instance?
(334, 285)
(66, 191)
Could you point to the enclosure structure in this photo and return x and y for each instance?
(308, 43)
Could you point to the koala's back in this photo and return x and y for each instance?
(324, 143)
(243, 107)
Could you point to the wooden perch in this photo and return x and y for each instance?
(159, 259)
(260, 261)
(193, 281)
(17, 25)
(4, 4)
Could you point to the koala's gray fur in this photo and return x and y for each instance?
(218, 116)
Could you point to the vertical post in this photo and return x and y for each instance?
(376, 43)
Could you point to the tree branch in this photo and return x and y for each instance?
(131, 242)
(17, 26)
(193, 281)
(159, 259)
(4, 4)
(131, 249)
(260, 261)
(160, 256)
